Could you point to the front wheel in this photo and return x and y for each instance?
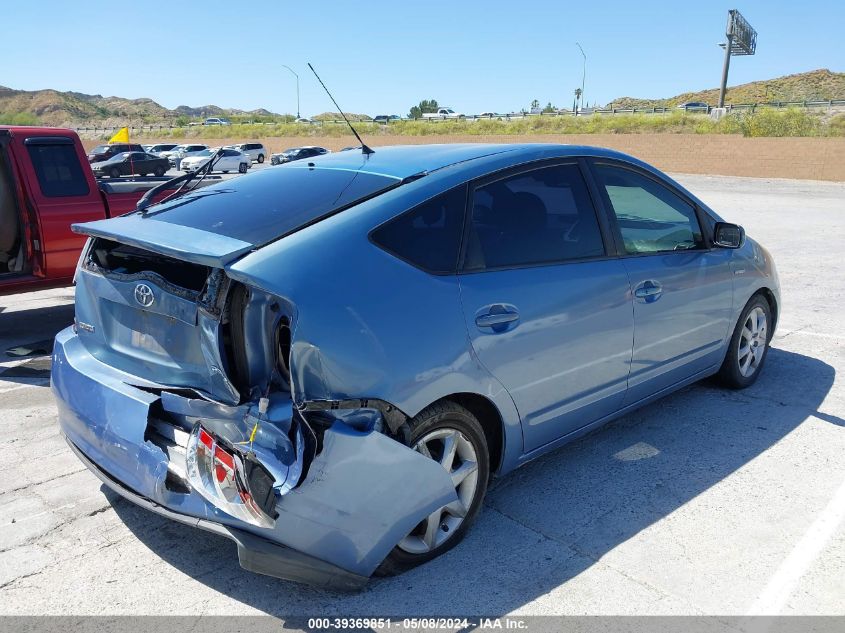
(749, 345)
(114, 172)
(260, 158)
(450, 435)
(159, 171)
(242, 168)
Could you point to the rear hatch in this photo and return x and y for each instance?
(151, 290)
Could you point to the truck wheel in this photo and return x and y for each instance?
(159, 171)
(114, 172)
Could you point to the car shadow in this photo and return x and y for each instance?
(33, 326)
(550, 520)
(26, 340)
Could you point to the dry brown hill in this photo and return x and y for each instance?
(815, 85)
(52, 107)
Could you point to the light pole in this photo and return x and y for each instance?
(297, 88)
(584, 74)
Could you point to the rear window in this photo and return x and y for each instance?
(58, 170)
(268, 204)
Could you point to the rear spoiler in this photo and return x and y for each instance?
(165, 238)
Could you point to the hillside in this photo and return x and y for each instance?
(819, 84)
(52, 107)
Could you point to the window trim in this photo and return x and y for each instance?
(391, 252)
(607, 208)
(608, 240)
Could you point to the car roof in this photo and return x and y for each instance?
(402, 161)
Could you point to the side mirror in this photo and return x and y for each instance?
(726, 235)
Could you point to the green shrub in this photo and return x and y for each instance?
(18, 118)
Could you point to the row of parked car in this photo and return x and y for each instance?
(114, 160)
(129, 159)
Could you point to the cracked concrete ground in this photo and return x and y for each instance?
(707, 502)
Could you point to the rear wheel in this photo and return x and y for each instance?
(114, 172)
(450, 435)
(749, 345)
(242, 168)
(261, 158)
(159, 171)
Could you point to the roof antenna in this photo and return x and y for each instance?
(364, 149)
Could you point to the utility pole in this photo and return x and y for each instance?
(583, 74)
(297, 88)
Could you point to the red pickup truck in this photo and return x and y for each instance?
(46, 184)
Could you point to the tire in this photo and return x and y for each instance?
(114, 172)
(225, 171)
(446, 527)
(242, 168)
(260, 158)
(159, 171)
(749, 345)
(142, 175)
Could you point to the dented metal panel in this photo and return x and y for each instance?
(173, 341)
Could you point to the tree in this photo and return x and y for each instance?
(549, 109)
(577, 99)
(425, 106)
(535, 104)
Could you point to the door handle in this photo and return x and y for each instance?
(497, 316)
(649, 290)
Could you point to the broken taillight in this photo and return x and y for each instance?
(229, 480)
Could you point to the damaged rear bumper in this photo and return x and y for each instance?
(332, 529)
(254, 553)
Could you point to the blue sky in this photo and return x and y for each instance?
(382, 58)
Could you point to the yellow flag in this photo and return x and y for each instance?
(122, 136)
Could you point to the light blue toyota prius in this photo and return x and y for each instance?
(326, 361)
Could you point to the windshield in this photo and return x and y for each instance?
(269, 204)
(100, 149)
(205, 152)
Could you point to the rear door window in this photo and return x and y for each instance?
(537, 217)
(58, 169)
(427, 236)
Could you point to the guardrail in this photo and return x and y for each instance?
(831, 103)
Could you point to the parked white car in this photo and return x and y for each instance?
(217, 121)
(179, 152)
(443, 113)
(256, 151)
(231, 160)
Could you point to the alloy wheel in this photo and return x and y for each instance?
(456, 454)
(752, 342)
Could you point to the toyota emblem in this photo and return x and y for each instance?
(144, 295)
